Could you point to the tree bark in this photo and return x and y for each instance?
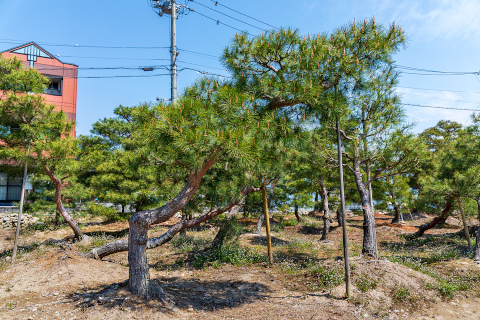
(443, 216)
(397, 214)
(141, 221)
(122, 245)
(297, 215)
(227, 226)
(58, 201)
(339, 218)
(476, 258)
(261, 219)
(369, 230)
(326, 211)
(464, 221)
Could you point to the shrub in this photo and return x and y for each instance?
(230, 252)
(328, 278)
(111, 214)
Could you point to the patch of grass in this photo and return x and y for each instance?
(302, 245)
(230, 252)
(288, 223)
(365, 283)
(447, 290)
(402, 293)
(97, 240)
(327, 278)
(187, 243)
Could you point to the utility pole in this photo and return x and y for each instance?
(174, 52)
(170, 7)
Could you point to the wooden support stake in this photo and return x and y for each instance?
(465, 226)
(267, 220)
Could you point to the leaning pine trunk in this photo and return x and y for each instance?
(122, 245)
(58, 201)
(227, 226)
(435, 221)
(369, 230)
(397, 214)
(139, 224)
(297, 215)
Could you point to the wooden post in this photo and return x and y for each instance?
(22, 198)
(348, 290)
(267, 220)
(465, 226)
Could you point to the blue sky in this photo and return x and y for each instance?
(442, 35)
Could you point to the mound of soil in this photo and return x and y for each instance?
(58, 272)
(384, 284)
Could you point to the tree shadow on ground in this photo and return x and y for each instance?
(445, 247)
(20, 249)
(261, 240)
(309, 230)
(183, 293)
(113, 234)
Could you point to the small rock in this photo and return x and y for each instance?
(60, 272)
(55, 293)
(190, 309)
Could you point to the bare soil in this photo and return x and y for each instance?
(51, 281)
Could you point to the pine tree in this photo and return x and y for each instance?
(26, 121)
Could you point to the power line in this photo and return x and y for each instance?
(243, 14)
(436, 98)
(441, 90)
(217, 21)
(200, 53)
(435, 107)
(434, 72)
(127, 76)
(251, 25)
(16, 42)
(201, 65)
(114, 58)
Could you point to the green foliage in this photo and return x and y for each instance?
(365, 283)
(187, 243)
(231, 253)
(327, 277)
(109, 213)
(402, 293)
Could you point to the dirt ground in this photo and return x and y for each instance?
(51, 281)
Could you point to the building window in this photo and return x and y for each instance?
(55, 86)
(10, 188)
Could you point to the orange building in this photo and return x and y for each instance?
(62, 91)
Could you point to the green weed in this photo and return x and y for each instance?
(365, 283)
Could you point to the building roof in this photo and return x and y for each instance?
(33, 50)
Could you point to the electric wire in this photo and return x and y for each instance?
(217, 21)
(243, 14)
(126, 76)
(251, 25)
(437, 107)
(17, 42)
(440, 90)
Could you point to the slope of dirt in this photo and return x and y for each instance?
(55, 283)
